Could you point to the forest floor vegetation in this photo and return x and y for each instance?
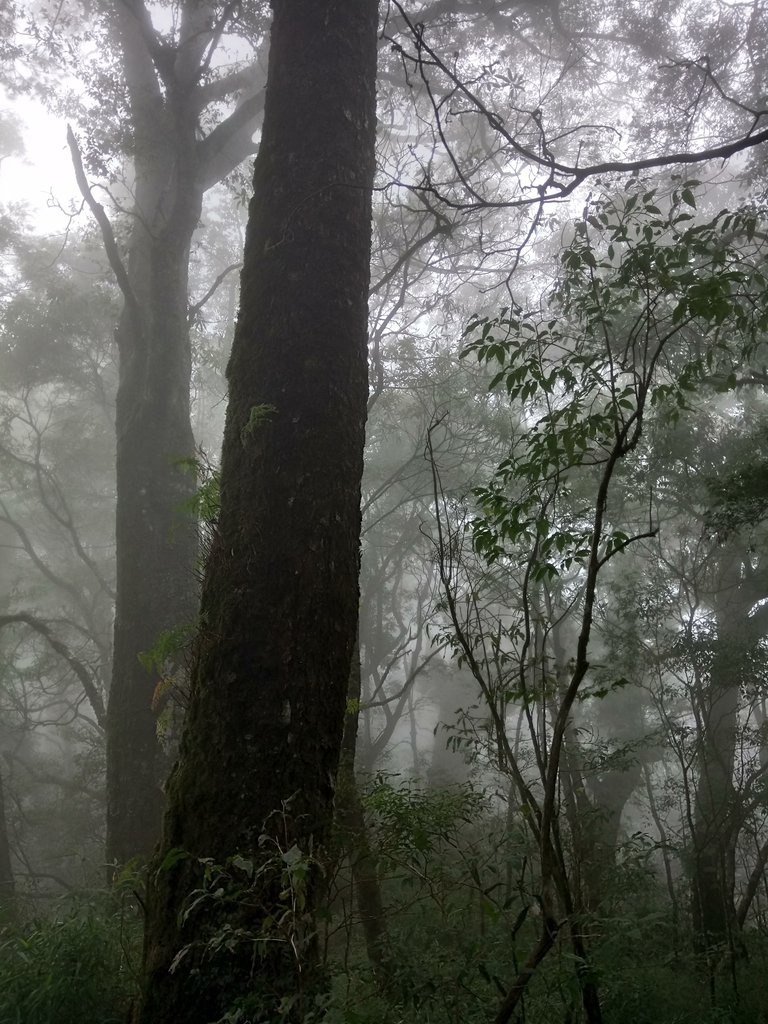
(455, 884)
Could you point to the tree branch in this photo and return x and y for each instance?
(77, 666)
(49, 779)
(230, 142)
(246, 79)
(160, 53)
(64, 518)
(216, 32)
(195, 308)
(36, 558)
(551, 188)
(108, 237)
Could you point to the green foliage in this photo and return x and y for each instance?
(649, 975)
(254, 909)
(168, 646)
(447, 868)
(76, 966)
(352, 707)
(621, 334)
(738, 494)
(242, 880)
(259, 414)
(462, 917)
(413, 820)
(205, 503)
(168, 658)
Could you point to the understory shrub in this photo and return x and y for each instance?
(76, 966)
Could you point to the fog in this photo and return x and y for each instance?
(526, 781)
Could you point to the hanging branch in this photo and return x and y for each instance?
(77, 666)
(108, 237)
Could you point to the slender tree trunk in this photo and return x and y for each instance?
(7, 891)
(715, 805)
(756, 876)
(663, 837)
(279, 609)
(350, 819)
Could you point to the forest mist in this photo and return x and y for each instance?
(469, 724)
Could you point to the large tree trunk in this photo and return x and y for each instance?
(155, 537)
(279, 609)
(174, 163)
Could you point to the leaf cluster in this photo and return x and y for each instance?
(648, 307)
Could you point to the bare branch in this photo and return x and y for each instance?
(49, 779)
(552, 187)
(62, 515)
(36, 558)
(108, 237)
(82, 672)
(227, 15)
(195, 308)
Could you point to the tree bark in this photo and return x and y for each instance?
(716, 814)
(156, 539)
(351, 824)
(7, 889)
(261, 743)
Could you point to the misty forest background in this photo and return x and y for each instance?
(528, 780)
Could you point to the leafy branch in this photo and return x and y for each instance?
(649, 307)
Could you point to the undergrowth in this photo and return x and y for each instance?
(76, 966)
(459, 896)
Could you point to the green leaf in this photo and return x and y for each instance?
(243, 864)
(172, 857)
(293, 856)
(680, 311)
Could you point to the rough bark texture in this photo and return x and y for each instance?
(156, 540)
(279, 609)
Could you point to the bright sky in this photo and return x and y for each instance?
(44, 175)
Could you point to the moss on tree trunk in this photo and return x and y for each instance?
(261, 745)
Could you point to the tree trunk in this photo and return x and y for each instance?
(174, 163)
(716, 822)
(156, 539)
(448, 765)
(261, 743)
(7, 890)
(350, 822)
(611, 790)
